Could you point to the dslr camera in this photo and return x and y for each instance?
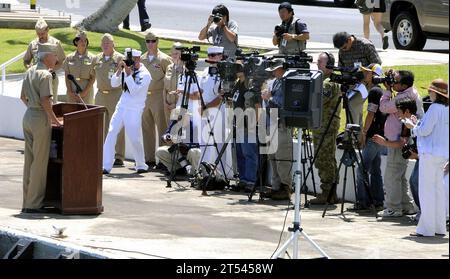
(389, 79)
(280, 29)
(217, 17)
(129, 57)
(408, 149)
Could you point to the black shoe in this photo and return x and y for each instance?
(105, 171)
(385, 42)
(141, 171)
(35, 210)
(146, 26)
(160, 167)
(150, 164)
(118, 163)
(126, 27)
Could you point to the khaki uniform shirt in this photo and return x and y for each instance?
(157, 68)
(105, 69)
(37, 84)
(171, 83)
(31, 55)
(81, 67)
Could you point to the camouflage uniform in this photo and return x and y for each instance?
(326, 158)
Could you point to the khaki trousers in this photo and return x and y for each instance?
(109, 101)
(281, 159)
(153, 123)
(165, 157)
(37, 132)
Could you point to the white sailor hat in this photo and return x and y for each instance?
(215, 49)
(134, 52)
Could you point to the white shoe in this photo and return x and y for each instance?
(390, 213)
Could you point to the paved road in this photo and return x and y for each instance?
(255, 19)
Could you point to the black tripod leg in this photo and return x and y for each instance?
(343, 190)
(172, 168)
(332, 190)
(310, 158)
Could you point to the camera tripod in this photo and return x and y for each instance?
(349, 158)
(191, 77)
(307, 158)
(297, 230)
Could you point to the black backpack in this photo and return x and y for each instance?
(216, 180)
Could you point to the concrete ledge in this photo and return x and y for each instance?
(27, 20)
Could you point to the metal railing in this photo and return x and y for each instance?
(5, 65)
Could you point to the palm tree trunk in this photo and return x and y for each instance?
(108, 17)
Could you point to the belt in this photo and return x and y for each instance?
(149, 92)
(36, 108)
(105, 91)
(79, 79)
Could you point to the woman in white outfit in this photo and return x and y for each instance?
(432, 133)
(128, 113)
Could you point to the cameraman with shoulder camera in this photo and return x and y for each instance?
(224, 33)
(246, 104)
(291, 35)
(326, 158)
(398, 201)
(371, 151)
(281, 160)
(128, 113)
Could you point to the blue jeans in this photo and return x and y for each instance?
(247, 161)
(371, 156)
(414, 183)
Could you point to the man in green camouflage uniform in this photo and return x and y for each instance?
(326, 158)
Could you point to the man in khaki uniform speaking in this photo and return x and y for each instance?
(80, 65)
(31, 55)
(36, 95)
(108, 96)
(153, 117)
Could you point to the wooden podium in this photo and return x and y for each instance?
(74, 178)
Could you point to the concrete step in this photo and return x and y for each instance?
(26, 19)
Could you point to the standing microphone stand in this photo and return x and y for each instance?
(78, 89)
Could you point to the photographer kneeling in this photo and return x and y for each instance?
(281, 160)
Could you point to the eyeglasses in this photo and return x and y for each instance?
(214, 54)
(151, 41)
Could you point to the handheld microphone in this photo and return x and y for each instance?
(72, 79)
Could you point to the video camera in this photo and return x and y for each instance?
(129, 57)
(345, 140)
(389, 79)
(228, 70)
(300, 61)
(190, 56)
(347, 76)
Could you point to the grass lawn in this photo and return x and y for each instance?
(15, 41)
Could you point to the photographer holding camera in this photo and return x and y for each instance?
(371, 151)
(326, 158)
(398, 201)
(128, 113)
(291, 35)
(432, 133)
(406, 108)
(281, 160)
(224, 33)
(173, 74)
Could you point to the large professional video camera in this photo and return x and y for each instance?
(302, 87)
(347, 76)
(228, 70)
(190, 56)
(300, 61)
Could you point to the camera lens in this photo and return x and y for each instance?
(217, 19)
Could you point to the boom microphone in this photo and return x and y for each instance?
(72, 79)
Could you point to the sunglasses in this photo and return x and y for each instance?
(151, 41)
(214, 54)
